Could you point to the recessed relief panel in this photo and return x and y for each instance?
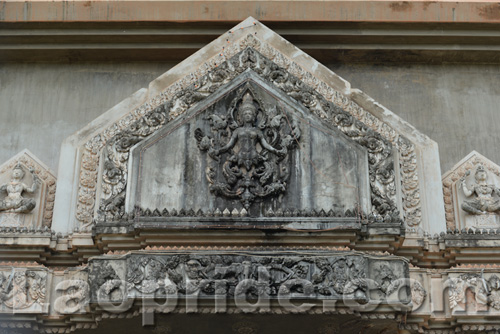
(248, 151)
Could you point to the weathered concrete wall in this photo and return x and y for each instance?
(42, 104)
(455, 105)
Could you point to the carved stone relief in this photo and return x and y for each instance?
(472, 194)
(250, 53)
(475, 292)
(15, 189)
(23, 290)
(27, 193)
(418, 295)
(258, 168)
(237, 275)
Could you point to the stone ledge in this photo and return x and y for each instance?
(233, 11)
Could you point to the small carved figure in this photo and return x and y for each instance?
(14, 201)
(485, 200)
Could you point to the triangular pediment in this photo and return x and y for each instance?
(464, 209)
(27, 201)
(216, 162)
(350, 139)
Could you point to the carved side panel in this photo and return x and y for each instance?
(472, 194)
(475, 293)
(24, 290)
(27, 192)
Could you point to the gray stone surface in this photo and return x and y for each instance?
(42, 104)
(455, 105)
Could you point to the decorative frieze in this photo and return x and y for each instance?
(23, 289)
(343, 276)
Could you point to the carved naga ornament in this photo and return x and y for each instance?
(248, 150)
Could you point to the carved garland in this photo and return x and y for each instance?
(452, 178)
(317, 96)
(46, 177)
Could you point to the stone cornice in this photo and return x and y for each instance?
(264, 11)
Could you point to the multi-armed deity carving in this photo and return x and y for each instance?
(484, 197)
(249, 149)
(14, 190)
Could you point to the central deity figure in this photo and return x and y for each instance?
(253, 162)
(247, 137)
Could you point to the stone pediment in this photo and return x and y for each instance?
(273, 166)
(26, 202)
(312, 147)
(468, 204)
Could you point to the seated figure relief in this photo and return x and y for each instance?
(14, 200)
(484, 197)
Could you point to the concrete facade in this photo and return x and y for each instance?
(454, 104)
(208, 180)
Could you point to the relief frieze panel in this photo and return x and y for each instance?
(23, 290)
(319, 276)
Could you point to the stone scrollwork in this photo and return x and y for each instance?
(258, 168)
(21, 289)
(272, 66)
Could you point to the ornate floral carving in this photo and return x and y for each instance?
(409, 182)
(20, 289)
(271, 65)
(418, 295)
